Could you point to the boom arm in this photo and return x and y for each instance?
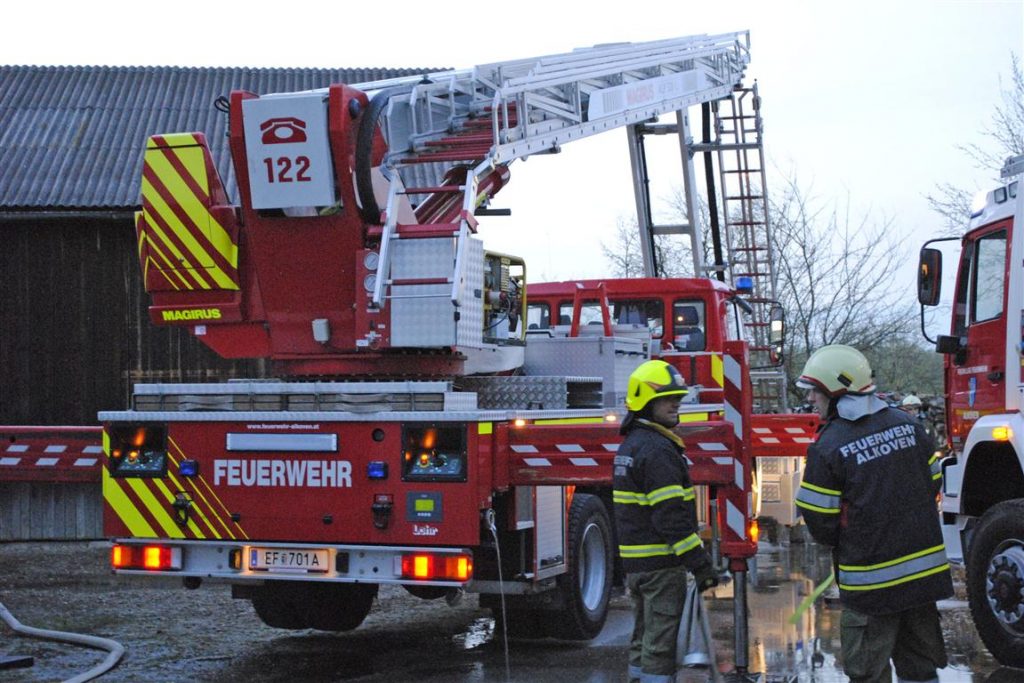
(353, 249)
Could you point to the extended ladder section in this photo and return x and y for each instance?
(740, 149)
(451, 134)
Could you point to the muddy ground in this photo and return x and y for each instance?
(172, 634)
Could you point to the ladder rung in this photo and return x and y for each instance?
(749, 248)
(428, 230)
(750, 274)
(414, 230)
(746, 223)
(744, 170)
(745, 196)
(756, 324)
(463, 155)
(434, 190)
(475, 138)
(420, 281)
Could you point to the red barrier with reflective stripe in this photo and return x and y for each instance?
(735, 502)
(569, 454)
(785, 435)
(51, 454)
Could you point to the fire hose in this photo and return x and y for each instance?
(115, 649)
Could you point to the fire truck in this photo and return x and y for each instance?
(983, 480)
(435, 421)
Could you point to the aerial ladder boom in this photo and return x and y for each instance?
(496, 113)
(359, 204)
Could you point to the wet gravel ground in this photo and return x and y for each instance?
(172, 634)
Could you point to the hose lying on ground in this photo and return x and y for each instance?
(809, 600)
(115, 649)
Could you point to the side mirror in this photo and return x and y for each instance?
(929, 276)
(776, 334)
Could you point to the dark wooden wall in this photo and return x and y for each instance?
(74, 331)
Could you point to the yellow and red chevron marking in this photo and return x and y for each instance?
(177, 233)
(144, 506)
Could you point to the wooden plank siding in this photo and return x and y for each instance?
(34, 511)
(75, 334)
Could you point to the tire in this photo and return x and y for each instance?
(995, 581)
(586, 587)
(275, 608)
(321, 606)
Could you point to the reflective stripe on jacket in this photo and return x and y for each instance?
(655, 509)
(869, 491)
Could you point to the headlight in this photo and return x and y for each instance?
(137, 450)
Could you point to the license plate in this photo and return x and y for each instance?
(288, 560)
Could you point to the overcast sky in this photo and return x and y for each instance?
(862, 100)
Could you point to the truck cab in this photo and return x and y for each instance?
(983, 481)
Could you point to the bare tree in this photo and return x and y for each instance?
(1004, 138)
(835, 276)
(625, 257)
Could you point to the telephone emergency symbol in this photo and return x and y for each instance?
(284, 129)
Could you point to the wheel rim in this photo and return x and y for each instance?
(592, 569)
(1004, 587)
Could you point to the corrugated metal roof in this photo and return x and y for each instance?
(72, 137)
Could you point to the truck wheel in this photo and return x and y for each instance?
(322, 606)
(995, 581)
(341, 606)
(586, 587)
(276, 608)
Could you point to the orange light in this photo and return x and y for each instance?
(1002, 433)
(437, 567)
(611, 417)
(519, 422)
(464, 568)
(133, 456)
(151, 557)
(424, 460)
(755, 530)
(118, 556)
(429, 438)
(421, 565)
(139, 438)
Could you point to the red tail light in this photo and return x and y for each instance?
(151, 557)
(437, 567)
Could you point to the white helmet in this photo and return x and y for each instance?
(911, 401)
(836, 370)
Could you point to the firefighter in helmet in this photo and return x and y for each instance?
(656, 518)
(869, 491)
(911, 404)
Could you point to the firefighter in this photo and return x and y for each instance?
(911, 405)
(656, 517)
(869, 491)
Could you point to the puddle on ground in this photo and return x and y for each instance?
(782, 575)
(480, 632)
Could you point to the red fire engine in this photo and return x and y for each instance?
(427, 429)
(983, 482)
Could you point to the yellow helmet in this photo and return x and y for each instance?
(653, 379)
(837, 369)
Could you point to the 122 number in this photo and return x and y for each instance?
(284, 169)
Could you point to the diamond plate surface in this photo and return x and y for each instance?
(610, 358)
(533, 393)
